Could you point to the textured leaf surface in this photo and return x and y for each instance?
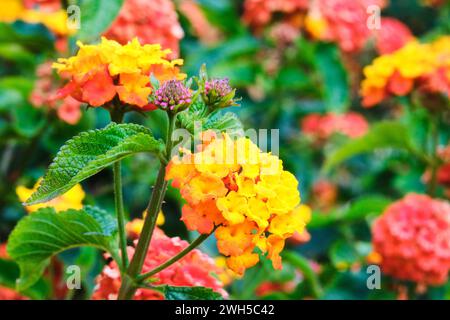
(190, 293)
(387, 134)
(91, 152)
(46, 233)
(198, 115)
(96, 17)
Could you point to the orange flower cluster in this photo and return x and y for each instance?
(231, 184)
(45, 88)
(413, 238)
(98, 73)
(322, 127)
(151, 22)
(426, 66)
(195, 269)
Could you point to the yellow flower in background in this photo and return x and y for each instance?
(56, 21)
(11, 10)
(72, 199)
(252, 200)
(424, 65)
(134, 227)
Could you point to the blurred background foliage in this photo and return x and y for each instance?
(281, 82)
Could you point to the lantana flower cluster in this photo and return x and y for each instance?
(422, 65)
(413, 239)
(99, 73)
(231, 185)
(153, 21)
(321, 127)
(344, 22)
(46, 86)
(195, 269)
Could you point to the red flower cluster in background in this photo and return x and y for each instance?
(151, 22)
(392, 35)
(195, 269)
(45, 88)
(413, 238)
(321, 127)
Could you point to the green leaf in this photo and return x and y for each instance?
(358, 210)
(90, 152)
(343, 254)
(45, 233)
(9, 272)
(334, 77)
(197, 114)
(386, 134)
(96, 17)
(227, 122)
(189, 293)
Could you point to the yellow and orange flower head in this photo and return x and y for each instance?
(72, 199)
(416, 65)
(231, 185)
(99, 73)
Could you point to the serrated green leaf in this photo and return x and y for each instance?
(96, 17)
(189, 293)
(197, 114)
(387, 134)
(45, 233)
(227, 122)
(90, 152)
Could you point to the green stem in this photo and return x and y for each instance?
(117, 117)
(129, 286)
(175, 258)
(310, 276)
(434, 143)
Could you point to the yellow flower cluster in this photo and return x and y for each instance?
(424, 64)
(72, 199)
(244, 192)
(99, 72)
(56, 21)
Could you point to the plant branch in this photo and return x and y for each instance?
(118, 199)
(175, 258)
(434, 144)
(128, 287)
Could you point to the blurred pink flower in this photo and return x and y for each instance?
(45, 88)
(151, 22)
(321, 127)
(392, 36)
(202, 28)
(413, 238)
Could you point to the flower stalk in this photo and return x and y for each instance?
(175, 258)
(117, 117)
(129, 286)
